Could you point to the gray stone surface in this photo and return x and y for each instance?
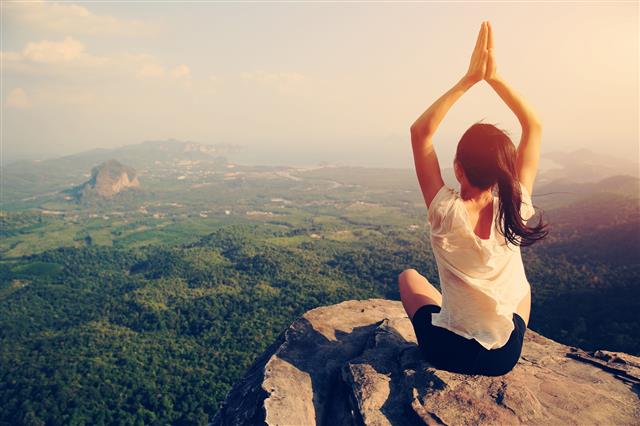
(357, 363)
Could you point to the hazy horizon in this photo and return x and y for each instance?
(309, 82)
(248, 158)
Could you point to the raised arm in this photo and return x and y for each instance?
(423, 129)
(529, 147)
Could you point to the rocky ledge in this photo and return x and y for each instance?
(357, 362)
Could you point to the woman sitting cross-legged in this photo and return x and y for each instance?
(477, 324)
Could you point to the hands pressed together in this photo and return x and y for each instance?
(483, 63)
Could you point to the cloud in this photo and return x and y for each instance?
(69, 18)
(67, 53)
(69, 58)
(51, 51)
(18, 99)
(181, 72)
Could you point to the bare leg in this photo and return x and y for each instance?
(416, 291)
(524, 308)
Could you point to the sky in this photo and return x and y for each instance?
(310, 82)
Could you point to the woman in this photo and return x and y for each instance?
(477, 324)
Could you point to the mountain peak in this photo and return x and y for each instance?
(358, 362)
(109, 178)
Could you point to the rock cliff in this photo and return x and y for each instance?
(109, 178)
(357, 363)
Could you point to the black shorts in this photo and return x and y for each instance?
(449, 351)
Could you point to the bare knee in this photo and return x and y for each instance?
(416, 290)
(404, 275)
(409, 278)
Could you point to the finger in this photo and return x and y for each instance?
(490, 43)
(480, 36)
(484, 38)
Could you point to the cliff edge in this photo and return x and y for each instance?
(357, 363)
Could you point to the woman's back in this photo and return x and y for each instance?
(482, 279)
(481, 219)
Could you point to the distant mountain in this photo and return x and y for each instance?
(563, 192)
(153, 153)
(28, 178)
(564, 177)
(139, 155)
(584, 165)
(108, 179)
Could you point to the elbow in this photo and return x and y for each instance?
(414, 132)
(417, 133)
(415, 136)
(534, 123)
(420, 139)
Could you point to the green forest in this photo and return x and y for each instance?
(146, 307)
(158, 334)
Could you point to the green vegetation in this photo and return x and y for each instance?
(145, 308)
(158, 334)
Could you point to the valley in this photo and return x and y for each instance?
(148, 304)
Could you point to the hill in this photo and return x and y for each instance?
(108, 179)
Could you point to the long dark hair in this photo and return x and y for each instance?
(488, 156)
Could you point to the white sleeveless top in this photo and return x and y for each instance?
(482, 281)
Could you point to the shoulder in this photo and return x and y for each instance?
(444, 195)
(441, 204)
